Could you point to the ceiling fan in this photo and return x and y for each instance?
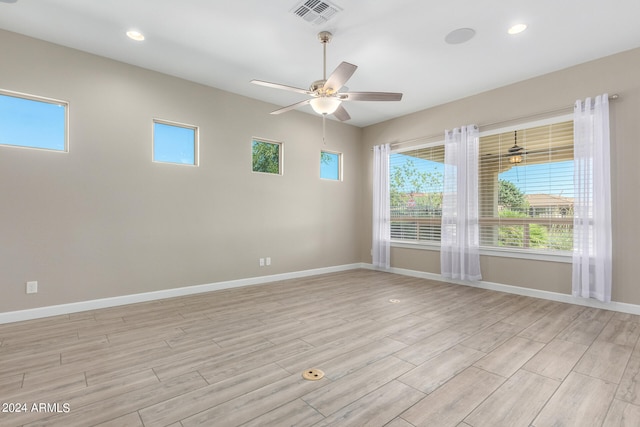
(515, 153)
(326, 97)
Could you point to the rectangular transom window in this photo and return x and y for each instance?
(331, 165)
(175, 143)
(266, 156)
(33, 122)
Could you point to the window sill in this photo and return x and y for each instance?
(416, 245)
(563, 257)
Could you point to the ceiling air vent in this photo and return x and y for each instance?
(315, 11)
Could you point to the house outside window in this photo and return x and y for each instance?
(416, 184)
(525, 204)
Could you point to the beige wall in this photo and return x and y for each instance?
(615, 74)
(103, 220)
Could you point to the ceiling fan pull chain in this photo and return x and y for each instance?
(324, 139)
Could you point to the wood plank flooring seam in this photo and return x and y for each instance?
(116, 361)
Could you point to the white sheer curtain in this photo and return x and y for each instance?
(592, 201)
(460, 253)
(381, 214)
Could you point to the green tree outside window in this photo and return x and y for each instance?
(266, 157)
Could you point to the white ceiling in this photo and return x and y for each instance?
(398, 44)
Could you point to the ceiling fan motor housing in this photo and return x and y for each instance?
(318, 89)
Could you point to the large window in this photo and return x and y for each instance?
(33, 122)
(416, 180)
(175, 143)
(525, 189)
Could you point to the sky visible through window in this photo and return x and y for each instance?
(37, 124)
(34, 124)
(561, 183)
(329, 165)
(174, 144)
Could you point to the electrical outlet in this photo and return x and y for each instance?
(32, 287)
(268, 260)
(261, 262)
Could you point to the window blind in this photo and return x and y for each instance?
(416, 179)
(527, 201)
(526, 205)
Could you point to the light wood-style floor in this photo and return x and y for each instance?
(444, 355)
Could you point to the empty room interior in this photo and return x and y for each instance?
(208, 216)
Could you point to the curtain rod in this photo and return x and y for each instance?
(436, 137)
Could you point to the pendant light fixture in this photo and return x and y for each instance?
(515, 152)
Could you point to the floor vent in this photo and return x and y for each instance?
(313, 374)
(316, 12)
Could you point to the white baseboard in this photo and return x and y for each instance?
(553, 296)
(57, 310)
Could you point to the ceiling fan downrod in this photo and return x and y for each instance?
(324, 37)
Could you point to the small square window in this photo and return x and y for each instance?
(33, 122)
(175, 143)
(331, 165)
(266, 156)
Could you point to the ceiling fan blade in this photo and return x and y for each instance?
(291, 107)
(340, 75)
(515, 150)
(518, 153)
(341, 114)
(370, 96)
(280, 86)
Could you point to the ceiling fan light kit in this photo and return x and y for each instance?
(325, 104)
(326, 97)
(515, 152)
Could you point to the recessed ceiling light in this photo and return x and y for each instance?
(460, 35)
(517, 29)
(135, 35)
